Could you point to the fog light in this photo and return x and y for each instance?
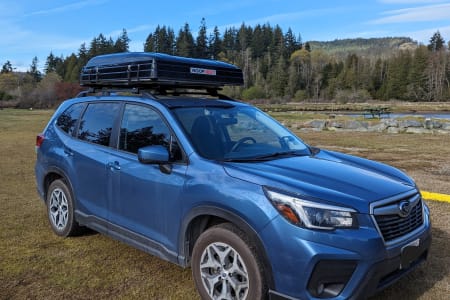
(330, 277)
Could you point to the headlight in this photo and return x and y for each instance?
(310, 214)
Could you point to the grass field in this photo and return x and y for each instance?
(35, 264)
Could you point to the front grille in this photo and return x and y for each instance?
(392, 225)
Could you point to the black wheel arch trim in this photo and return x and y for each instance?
(65, 178)
(212, 211)
(62, 174)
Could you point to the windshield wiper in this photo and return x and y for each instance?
(267, 156)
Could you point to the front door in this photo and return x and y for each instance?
(143, 199)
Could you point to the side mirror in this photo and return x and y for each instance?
(156, 154)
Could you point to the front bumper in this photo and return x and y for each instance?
(340, 265)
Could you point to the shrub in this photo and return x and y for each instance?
(253, 93)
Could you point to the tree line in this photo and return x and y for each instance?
(277, 66)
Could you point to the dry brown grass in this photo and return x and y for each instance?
(35, 264)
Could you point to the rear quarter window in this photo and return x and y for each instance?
(67, 121)
(97, 123)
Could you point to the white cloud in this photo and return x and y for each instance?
(416, 14)
(280, 18)
(136, 29)
(424, 35)
(410, 1)
(68, 7)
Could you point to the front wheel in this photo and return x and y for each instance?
(226, 265)
(60, 209)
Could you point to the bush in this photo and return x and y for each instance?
(346, 96)
(300, 95)
(253, 93)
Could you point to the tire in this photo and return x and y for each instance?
(60, 210)
(226, 265)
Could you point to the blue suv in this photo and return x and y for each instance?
(154, 156)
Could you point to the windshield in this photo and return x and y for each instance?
(235, 133)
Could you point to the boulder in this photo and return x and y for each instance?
(317, 124)
(411, 124)
(390, 123)
(419, 130)
(356, 125)
(380, 127)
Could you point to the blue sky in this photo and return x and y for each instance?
(31, 28)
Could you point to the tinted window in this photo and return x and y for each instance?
(142, 126)
(67, 121)
(97, 123)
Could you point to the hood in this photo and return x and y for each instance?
(330, 176)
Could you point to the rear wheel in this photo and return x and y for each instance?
(226, 265)
(60, 209)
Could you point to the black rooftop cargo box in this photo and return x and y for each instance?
(141, 69)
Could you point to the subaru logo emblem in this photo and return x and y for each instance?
(404, 208)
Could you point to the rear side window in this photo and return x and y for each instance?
(97, 123)
(67, 121)
(142, 126)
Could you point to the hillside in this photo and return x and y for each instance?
(378, 47)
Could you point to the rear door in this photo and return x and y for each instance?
(90, 152)
(144, 199)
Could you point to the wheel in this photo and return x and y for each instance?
(226, 265)
(60, 209)
(242, 141)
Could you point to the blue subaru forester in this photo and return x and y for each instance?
(154, 156)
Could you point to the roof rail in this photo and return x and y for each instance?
(156, 70)
(105, 91)
(153, 93)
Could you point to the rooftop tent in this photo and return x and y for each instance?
(142, 69)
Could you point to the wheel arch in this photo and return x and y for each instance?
(53, 174)
(202, 218)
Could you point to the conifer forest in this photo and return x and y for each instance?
(278, 66)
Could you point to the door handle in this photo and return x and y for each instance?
(114, 165)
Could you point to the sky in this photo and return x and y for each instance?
(30, 28)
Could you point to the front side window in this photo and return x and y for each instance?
(97, 123)
(67, 121)
(142, 126)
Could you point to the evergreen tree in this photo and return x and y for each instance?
(72, 69)
(417, 82)
(201, 45)
(60, 68)
(215, 43)
(82, 55)
(229, 39)
(257, 44)
(149, 43)
(291, 42)
(397, 76)
(6, 68)
(437, 42)
(122, 43)
(279, 77)
(185, 42)
(244, 37)
(169, 44)
(34, 71)
(277, 46)
(307, 47)
(50, 64)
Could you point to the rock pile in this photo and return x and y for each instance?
(383, 125)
